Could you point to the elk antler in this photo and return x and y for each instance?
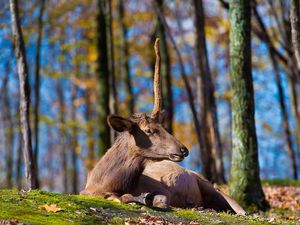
(156, 82)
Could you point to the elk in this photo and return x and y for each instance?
(140, 166)
(142, 139)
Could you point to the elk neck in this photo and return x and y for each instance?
(122, 164)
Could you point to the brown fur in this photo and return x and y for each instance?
(142, 140)
(183, 188)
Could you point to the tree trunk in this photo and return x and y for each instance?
(8, 130)
(50, 162)
(24, 94)
(113, 98)
(295, 27)
(165, 70)
(285, 119)
(37, 89)
(90, 143)
(244, 184)
(288, 135)
(295, 108)
(292, 33)
(290, 70)
(208, 110)
(19, 162)
(205, 158)
(103, 78)
(74, 142)
(261, 35)
(125, 58)
(62, 136)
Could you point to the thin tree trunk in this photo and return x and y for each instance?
(62, 136)
(50, 160)
(244, 183)
(74, 142)
(8, 130)
(205, 158)
(103, 78)
(37, 89)
(125, 58)
(295, 108)
(19, 163)
(165, 70)
(208, 109)
(30, 172)
(292, 33)
(285, 120)
(90, 161)
(295, 28)
(113, 98)
(90, 143)
(261, 36)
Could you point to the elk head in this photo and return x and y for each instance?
(146, 133)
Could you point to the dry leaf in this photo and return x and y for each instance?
(51, 208)
(114, 199)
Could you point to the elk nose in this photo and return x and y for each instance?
(184, 151)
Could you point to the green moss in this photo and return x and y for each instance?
(76, 209)
(281, 182)
(94, 210)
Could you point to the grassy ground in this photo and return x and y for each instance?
(281, 182)
(29, 208)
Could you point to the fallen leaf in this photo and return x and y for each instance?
(50, 208)
(271, 220)
(114, 199)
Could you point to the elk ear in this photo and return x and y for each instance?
(120, 124)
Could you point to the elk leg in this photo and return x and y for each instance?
(144, 198)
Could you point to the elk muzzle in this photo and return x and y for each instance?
(177, 157)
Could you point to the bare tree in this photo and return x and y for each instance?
(24, 94)
(62, 135)
(295, 26)
(113, 98)
(285, 119)
(125, 57)
(102, 72)
(37, 88)
(90, 141)
(206, 89)
(74, 141)
(206, 157)
(19, 162)
(8, 127)
(165, 69)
